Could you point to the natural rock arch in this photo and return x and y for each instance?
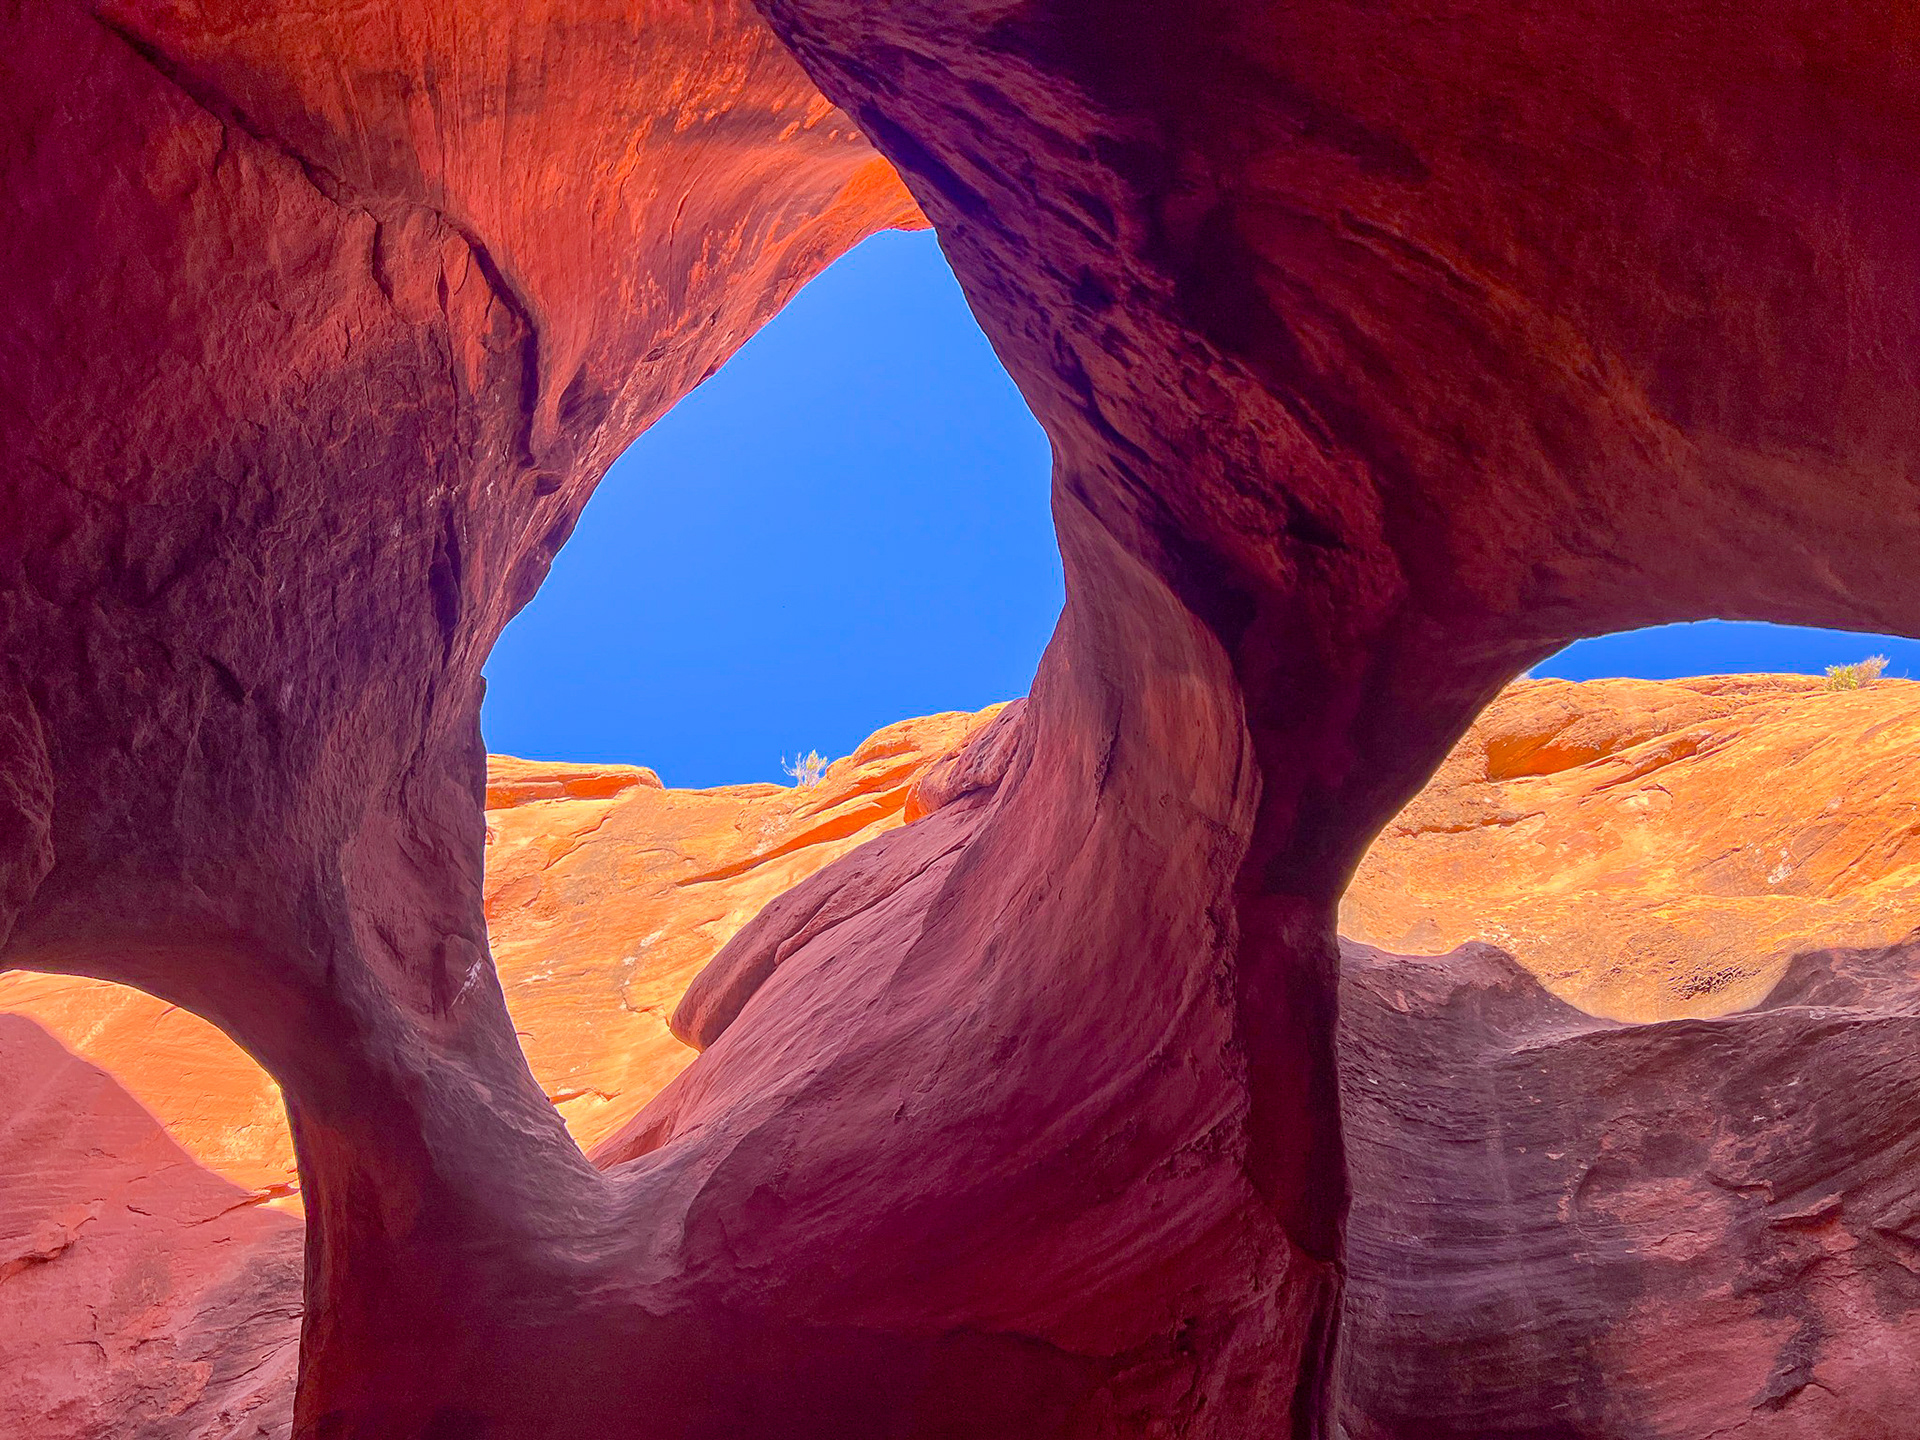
(1383, 348)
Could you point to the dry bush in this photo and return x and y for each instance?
(1852, 677)
(807, 770)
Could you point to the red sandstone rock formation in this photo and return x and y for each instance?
(1699, 1223)
(1383, 348)
(318, 327)
(1568, 1227)
(1559, 1220)
(601, 910)
(140, 1295)
(605, 895)
(214, 1100)
(1658, 850)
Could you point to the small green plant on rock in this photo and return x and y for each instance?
(807, 770)
(1854, 676)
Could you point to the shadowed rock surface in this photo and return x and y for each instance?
(320, 323)
(140, 1295)
(1565, 1227)
(1383, 347)
(1697, 1222)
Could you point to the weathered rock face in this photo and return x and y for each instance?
(140, 1295)
(173, 1312)
(213, 1099)
(602, 909)
(1383, 348)
(606, 894)
(319, 325)
(1656, 850)
(1567, 1227)
(1702, 1222)
(1672, 1224)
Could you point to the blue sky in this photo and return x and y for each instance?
(847, 526)
(1725, 647)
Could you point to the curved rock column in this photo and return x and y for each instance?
(1384, 349)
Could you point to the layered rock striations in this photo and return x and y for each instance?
(1564, 1226)
(1383, 349)
(602, 909)
(1631, 1122)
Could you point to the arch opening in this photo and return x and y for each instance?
(845, 550)
(1275, 600)
(844, 527)
(605, 892)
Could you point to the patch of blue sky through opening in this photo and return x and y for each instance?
(848, 525)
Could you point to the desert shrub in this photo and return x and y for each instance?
(1852, 677)
(806, 770)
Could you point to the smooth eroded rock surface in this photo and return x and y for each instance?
(1693, 1213)
(318, 325)
(1692, 1219)
(601, 910)
(1566, 1227)
(606, 894)
(1383, 347)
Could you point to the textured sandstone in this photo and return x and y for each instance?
(605, 895)
(1698, 1223)
(1654, 850)
(141, 1296)
(1572, 1228)
(600, 910)
(317, 326)
(1559, 1219)
(215, 1101)
(1383, 349)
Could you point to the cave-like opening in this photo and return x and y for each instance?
(844, 530)
(844, 527)
(1650, 822)
(839, 544)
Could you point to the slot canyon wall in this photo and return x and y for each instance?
(174, 1309)
(1629, 1001)
(1695, 1220)
(1383, 349)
